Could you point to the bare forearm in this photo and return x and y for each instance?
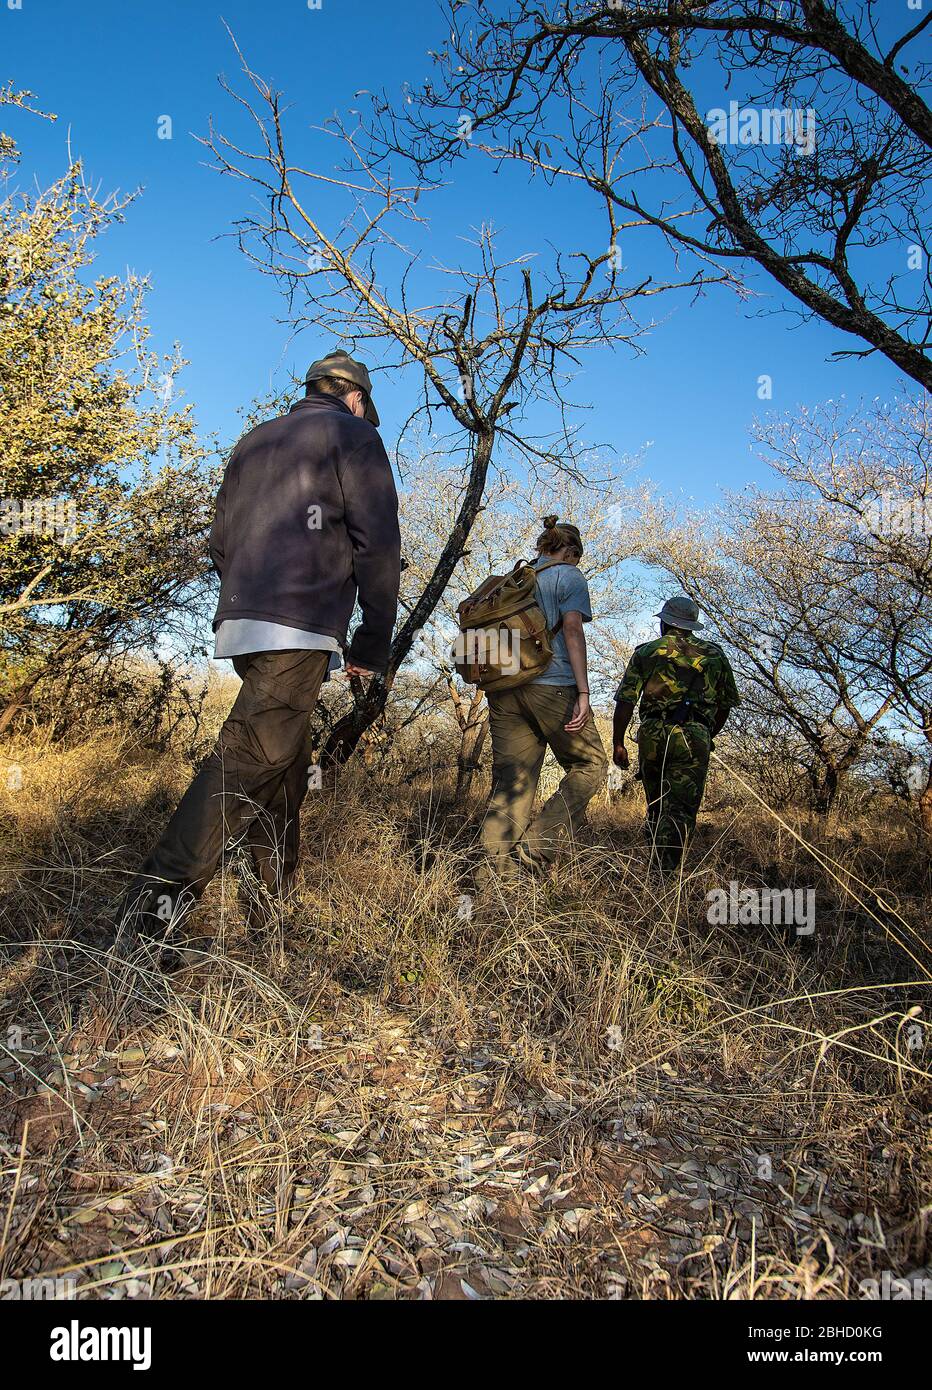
(576, 648)
(624, 710)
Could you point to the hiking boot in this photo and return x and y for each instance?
(262, 909)
(146, 920)
(490, 876)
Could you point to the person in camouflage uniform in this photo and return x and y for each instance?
(686, 690)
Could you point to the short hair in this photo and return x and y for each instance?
(335, 386)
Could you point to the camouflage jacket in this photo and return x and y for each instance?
(678, 676)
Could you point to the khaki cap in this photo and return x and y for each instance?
(340, 364)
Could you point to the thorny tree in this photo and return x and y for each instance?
(502, 335)
(873, 476)
(822, 592)
(820, 173)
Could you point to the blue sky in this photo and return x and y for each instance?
(110, 70)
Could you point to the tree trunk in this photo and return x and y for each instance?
(471, 744)
(825, 788)
(19, 698)
(925, 810)
(925, 796)
(69, 647)
(370, 702)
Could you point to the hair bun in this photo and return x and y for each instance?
(550, 521)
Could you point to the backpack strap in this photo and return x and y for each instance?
(540, 568)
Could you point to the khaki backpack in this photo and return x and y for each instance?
(504, 638)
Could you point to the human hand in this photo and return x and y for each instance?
(579, 716)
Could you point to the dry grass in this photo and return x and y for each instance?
(585, 1091)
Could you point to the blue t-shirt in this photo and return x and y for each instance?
(561, 589)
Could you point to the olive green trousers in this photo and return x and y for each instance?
(523, 723)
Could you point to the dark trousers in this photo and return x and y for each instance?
(251, 788)
(673, 761)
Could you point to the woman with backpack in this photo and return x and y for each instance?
(551, 710)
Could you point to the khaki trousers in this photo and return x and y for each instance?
(251, 788)
(523, 724)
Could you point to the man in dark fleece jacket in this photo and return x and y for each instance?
(306, 523)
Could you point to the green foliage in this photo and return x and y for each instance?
(105, 493)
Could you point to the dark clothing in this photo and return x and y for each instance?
(673, 761)
(679, 677)
(685, 686)
(250, 789)
(306, 521)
